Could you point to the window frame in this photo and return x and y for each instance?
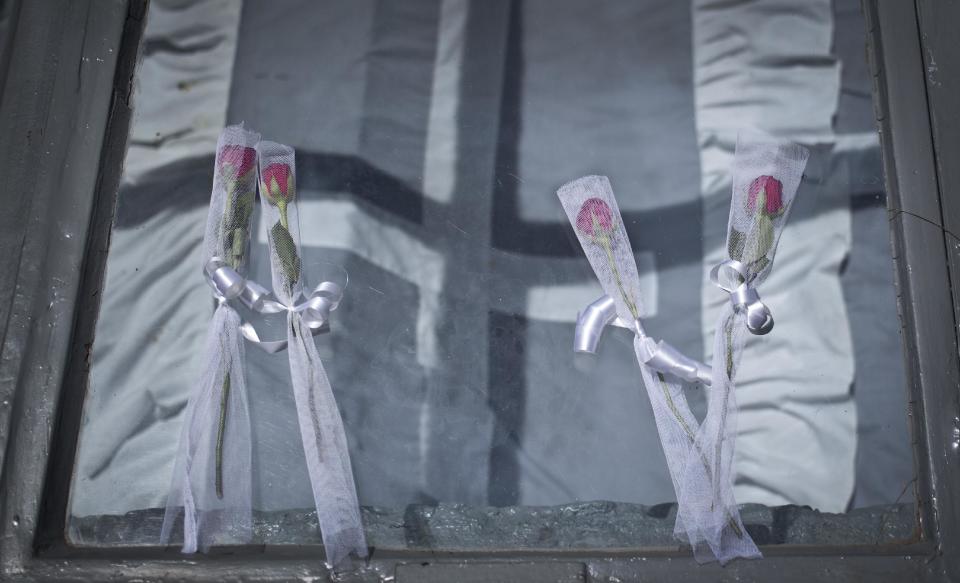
(65, 117)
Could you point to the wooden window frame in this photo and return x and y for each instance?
(66, 76)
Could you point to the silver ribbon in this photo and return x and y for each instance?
(322, 433)
(659, 356)
(744, 297)
(228, 285)
(212, 484)
(712, 531)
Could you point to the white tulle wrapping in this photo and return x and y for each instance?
(757, 155)
(573, 196)
(209, 519)
(325, 446)
(321, 427)
(690, 469)
(708, 481)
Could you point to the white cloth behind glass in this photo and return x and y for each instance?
(797, 431)
(137, 395)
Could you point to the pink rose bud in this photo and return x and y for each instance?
(594, 215)
(276, 182)
(772, 190)
(235, 161)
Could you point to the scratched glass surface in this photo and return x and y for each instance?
(431, 138)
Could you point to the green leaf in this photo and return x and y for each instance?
(759, 265)
(735, 244)
(237, 215)
(765, 233)
(237, 241)
(286, 250)
(756, 249)
(236, 221)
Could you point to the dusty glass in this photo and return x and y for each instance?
(430, 139)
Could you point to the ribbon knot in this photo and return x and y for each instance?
(660, 356)
(744, 297)
(706, 515)
(228, 285)
(212, 481)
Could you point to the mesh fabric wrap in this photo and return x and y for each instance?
(766, 175)
(216, 509)
(592, 209)
(600, 230)
(321, 427)
(757, 218)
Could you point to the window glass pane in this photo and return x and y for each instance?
(431, 137)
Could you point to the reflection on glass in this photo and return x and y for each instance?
(430, 140)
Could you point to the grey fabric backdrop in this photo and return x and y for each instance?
(451, 354)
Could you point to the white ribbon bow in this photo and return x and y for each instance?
(766, 175)
(659, 356)
(321, 427)
(592, 209)
(212, 481)
(315, 309)
(212, 478)
(743, 296)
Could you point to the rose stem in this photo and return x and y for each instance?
(236, 254)
(728, 333)
(282, 207)
(703, 458)
(608, 248)
(221, 430)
